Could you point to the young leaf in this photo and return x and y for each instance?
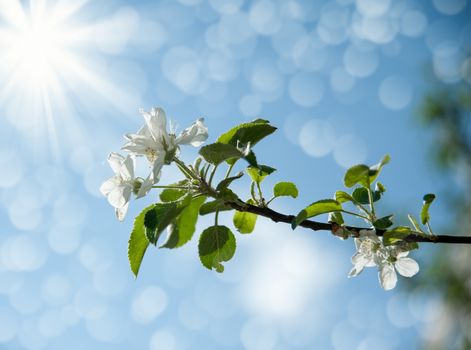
(356, 174)
(244, 221)
(363, 174)
(211, 207)
(258, 174)
(376, 169)
(160, 216)
(383, 223)
(320, 207)
(172, 194)
(182, 229)
(342, 197)
(246, 133)
(216, 153)
(380, 188)
(216, 245)
(360, 195)
(138, 242)
(396, 235)
(424, 214)
(226, 182)
(337, 217)
(285, 189)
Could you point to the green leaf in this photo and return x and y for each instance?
(216, 245)
(258, 174)
(172, 194)
(244, 221)
(376, 169)
(320, 207)
(363, 174)
(287, 189)
(138, 242)
(216, 153)
(356, 174)
(162, 215)
(424, 214)
(211, 207)
(336, 217)
(244, 133)
(342, 197)
(414, 223)
(360, 195)
(226, 182)
(396, 235)
(383, 223)
(182, 229)
(380, 187)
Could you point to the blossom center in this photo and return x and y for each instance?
(151, 154)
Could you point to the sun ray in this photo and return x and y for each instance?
(44, 70)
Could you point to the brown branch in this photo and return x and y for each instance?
(322, 226)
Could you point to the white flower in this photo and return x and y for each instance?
(372, 252)
(367, 245)
(154, 142)
(118, 188)
(395, 261)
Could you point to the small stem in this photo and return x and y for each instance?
(229, 170)
(212, 174)
(272, 198)
(182, 166)
(360, 206)
(370, 196)
(355, 214)
(206, 170)
(216, 216)
(172, 187)
(262, 200)
(429, 228)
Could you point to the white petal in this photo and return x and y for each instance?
(109, 185)
(359, 258)
(156, 122)
(387, 277)
(402, 254)
(135, 148)
(407, 267)
(121, 212)
(146, 186)
(357, 243)
(127, 169)
(115, 160)
(116, 197)
(157, 167)
(195, 135)
(355, 271)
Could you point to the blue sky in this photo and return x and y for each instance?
(342, 80)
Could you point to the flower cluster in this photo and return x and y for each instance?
(372, 252)
(159, 147)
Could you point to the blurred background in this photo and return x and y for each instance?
(345, 82)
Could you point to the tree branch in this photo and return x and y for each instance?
(321, 226)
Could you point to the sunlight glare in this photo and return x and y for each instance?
(45, 69)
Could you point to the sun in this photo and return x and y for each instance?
(37, 50)
(37, 43)
(48, 68)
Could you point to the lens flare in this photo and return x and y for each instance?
(46, 68)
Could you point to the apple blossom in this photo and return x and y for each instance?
(118, 188)
(156, 144)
